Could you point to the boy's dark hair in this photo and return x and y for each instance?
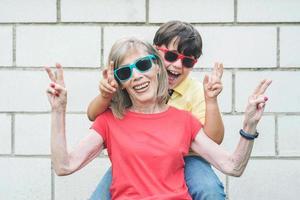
(190, 42)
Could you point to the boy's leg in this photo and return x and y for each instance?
(202, 182)
(102, 191)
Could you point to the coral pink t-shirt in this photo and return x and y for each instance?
(146, 151)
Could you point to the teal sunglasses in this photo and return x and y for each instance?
(123, 73)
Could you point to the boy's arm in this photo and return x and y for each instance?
(213, 125)
(97, 106)
(108, 86)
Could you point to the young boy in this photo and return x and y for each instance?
(180, 45)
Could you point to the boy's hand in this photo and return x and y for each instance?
(212, 83)
(108, 85)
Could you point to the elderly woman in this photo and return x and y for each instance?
(146, 139)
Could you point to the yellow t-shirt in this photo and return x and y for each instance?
(189, 96)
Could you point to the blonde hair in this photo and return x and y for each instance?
(119, 51)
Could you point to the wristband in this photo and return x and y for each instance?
(247, 135)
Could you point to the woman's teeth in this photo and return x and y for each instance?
(141, 86)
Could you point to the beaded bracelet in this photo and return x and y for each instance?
(248, 136)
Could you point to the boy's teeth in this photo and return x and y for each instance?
(174, 73)
(138, 87)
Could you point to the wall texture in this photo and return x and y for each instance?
(253, 38)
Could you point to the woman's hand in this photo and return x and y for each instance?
(256, 105)
(56, 92)
(108, 85)
(212, 83)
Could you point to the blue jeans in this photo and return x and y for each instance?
(202, 182)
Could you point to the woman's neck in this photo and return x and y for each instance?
(148, 109)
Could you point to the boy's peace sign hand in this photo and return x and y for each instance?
(212, 83)
(108, 85)
(56, 92)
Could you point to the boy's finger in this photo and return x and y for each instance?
(110, 71)
(220, 70)
(108, 86)
(104, 88)
(114, 83)
(205, 80)
(104, 73)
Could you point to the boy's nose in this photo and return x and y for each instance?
(177, 63)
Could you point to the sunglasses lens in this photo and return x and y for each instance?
(123, 73)
(188, 62)
(171, 56)
(143, 65)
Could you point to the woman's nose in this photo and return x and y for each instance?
(135, 73)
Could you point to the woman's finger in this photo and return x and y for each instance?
(50, 90)
(259, 99)
(50, 74)
(262, 87)
(59, 73)
(57, 87)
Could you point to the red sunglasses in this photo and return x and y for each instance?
(172, 56)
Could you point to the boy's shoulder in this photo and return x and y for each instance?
(191, 85)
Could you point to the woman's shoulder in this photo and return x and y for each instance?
(176, 111)
(105, 115)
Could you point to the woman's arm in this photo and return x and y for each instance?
(64, 162)
(234, 164)
(230, 164)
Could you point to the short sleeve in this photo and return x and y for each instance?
(100, 126)
(195, 126)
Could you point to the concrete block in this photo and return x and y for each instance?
(191, 11)
(289, 135)
(281, 98)
(32, 134)
(269, 179)
(27, 11)
(268, 11)
(238, 47)
(103, 11)
(25, 178)
(71, 46)
(5, 134)
(289, 46)
(6, 47)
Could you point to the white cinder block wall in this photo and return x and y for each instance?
(254, 39)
